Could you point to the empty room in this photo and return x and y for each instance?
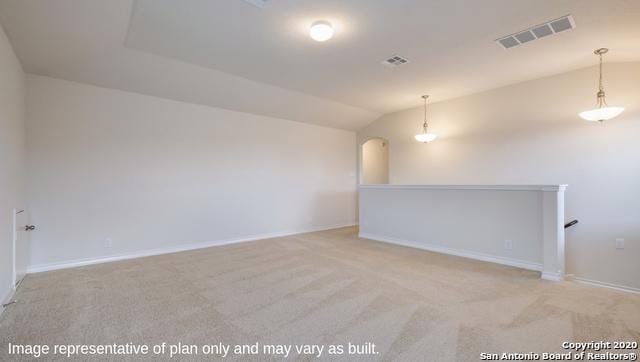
(371, 180)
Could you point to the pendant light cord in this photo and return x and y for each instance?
(424, 125)
(600, 87)
(601, 97)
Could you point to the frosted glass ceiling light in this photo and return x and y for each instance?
(425, 136)
(603, 112)
(321, 31)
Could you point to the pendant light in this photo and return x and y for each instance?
(425, 136)
(603, 112)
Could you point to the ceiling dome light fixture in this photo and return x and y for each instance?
(321, 30)
(425, 136)
(603, 112)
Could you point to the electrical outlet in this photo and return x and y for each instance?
(108, 242)
(619, 243)
(508, 244)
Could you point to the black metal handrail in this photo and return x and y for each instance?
(570, 224)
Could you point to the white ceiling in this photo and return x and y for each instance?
(233, 55)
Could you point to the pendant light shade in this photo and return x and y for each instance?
(603, 112)
(425, 136)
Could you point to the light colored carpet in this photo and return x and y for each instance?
(327, 288)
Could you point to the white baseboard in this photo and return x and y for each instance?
(598, 283)
(554, 277)
(174, 249)
(7, 298)
(457, 252)
(499, 260)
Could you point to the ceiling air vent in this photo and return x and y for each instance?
(395, 61)
(537, 32)
(258, 3)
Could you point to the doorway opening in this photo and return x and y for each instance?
(375, 162)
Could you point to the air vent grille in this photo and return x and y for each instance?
(537, 32)
(258, 3)
(395, 61)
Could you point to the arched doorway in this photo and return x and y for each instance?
(375, 162)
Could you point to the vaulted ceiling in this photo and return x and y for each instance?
(234, 55)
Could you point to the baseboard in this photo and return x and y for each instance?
(457, 252)
(7, 298)
(554, 277)
(598, 283)
(174, 249)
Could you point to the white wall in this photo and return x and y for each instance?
(151, 173)
(476, 222)
(520, 225)
(375, 162)
(12, 143)
(530, 133)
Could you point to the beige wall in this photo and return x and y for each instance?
(375, 162)
(530, 133)
(12, 143)
(150, 173)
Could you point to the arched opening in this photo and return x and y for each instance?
(375, 162)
